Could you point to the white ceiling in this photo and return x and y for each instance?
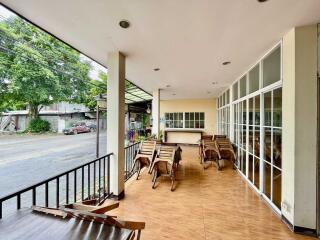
(187, 39)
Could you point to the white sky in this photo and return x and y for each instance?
(96, 68)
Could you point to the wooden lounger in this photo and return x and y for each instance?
(144, 156)
(93, 214)
(165, 165)
(210, 152)
(226, 150)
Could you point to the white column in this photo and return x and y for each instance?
(116, 121)
(156, 112)
(299, 138)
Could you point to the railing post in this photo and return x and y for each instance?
(94, 179)
(46, 194)
(0, 209)
(34, 197)
(99, 178)
(88, 181)
(108, 172)
(104, 176)
(67, 188)
(18, 201)
(82, 183)
(57, 192)
(75, 185)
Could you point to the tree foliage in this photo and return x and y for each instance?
(36, 69)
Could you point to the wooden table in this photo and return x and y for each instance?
(26, 224)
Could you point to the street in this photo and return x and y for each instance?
(29, 159)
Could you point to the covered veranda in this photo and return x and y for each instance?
(191, 61)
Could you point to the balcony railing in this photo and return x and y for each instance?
(94, 179)
(130, 153)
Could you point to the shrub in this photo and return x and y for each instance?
(38, 125)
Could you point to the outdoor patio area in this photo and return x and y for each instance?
(207, 204)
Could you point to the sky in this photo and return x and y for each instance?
(96, 68)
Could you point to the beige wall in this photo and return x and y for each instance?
(299, 126)
(208, 106)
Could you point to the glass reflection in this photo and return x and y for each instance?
(257, 110)
(277, 107)
(277, 139)
(267, 144)
(267, 109)
(277, 187)
(267, 179)
(256, 172)
(250, 162)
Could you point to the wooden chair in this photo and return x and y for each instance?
(210, 152)
(88, 212)
(203, 137)
(226, 150)
(144, 156)
(219, 136)
(165, 165)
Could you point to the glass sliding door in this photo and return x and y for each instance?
(272, 148)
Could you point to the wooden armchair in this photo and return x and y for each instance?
(206, 138)
(144, 156)
(226, 150)
(210, 152)
(165, 165)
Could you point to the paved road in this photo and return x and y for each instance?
(26, 160)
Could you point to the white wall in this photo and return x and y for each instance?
(300, 124)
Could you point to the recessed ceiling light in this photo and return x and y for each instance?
(173, 94)
(208, 92)
(214, 83)
(261, 1)
(167, 86)
(226, 63)
(124, 24)
(156, 69)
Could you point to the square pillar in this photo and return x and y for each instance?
(116, 121)
(156, 112)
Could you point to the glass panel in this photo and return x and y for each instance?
(202, 116)
(191, 116)
(256, 172)
(201, 124)
(197, 116)
(267, 109)
(257, 141)
(243, 86)
(254, 79)
(277, 139)
(257, 110)
(228, 96)
(250, 176)
(267, 179)
(251, 111)
(240, 135)
(191, 124)
(244, 115)
(267, 144)
(223, 100)
(187, 116)
(276, 187)
(244, 136)
(180, 116)
(235, 91)
(251, 136)
(244, 163)
(277, 107)
(186, 124)
(272, 67)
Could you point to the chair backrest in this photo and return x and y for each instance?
(219, 136)
(166, 153)
(206, 137)
(147, 147)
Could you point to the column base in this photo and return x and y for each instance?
(118, 197)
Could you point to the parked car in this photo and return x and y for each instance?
(76, 128)
(92, 126)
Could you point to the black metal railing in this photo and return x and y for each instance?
(130, 153)
(94, 177)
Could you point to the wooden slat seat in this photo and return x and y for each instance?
(210, 152)
(226, 150)
(165, 165)
(144, 157)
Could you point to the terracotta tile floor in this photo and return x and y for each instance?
(206, 204)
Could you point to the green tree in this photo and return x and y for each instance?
(98, 87)
(37, 70)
